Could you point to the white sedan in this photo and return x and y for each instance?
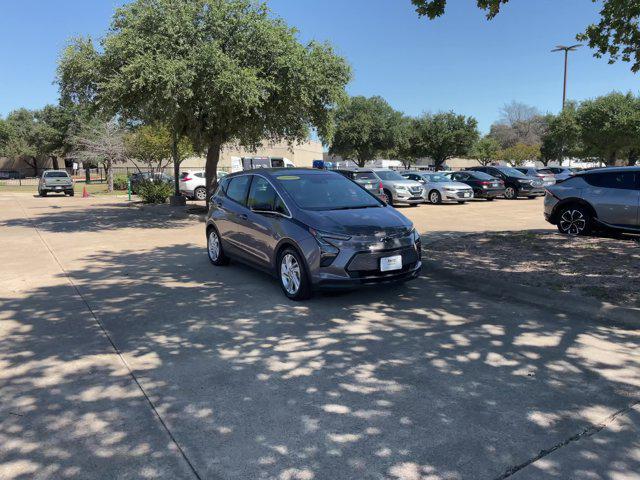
(438, 188)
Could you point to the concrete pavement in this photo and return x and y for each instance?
(204, 372)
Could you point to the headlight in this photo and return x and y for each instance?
(526, 181)
(451, 189)
(328, 251)
(401, 187)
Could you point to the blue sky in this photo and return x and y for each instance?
(459, 62)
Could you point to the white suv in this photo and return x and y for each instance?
(193, 184)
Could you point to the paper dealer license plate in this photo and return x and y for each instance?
(391, 263)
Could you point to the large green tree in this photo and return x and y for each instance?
(366, 128)
(562, 136)
(485, 150)
(444, 135)
(519, 154)
(152, 145)
(218, 71)
(616, 34)
(610, 127)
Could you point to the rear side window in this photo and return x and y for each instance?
(56, 174)
(619, 180)
(238, 188)
(365, 176)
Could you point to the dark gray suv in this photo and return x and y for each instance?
(311, 229)
(606, 197)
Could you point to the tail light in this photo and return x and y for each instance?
(380, 186)
(484, 182)
(186, 179)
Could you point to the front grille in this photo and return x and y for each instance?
(415, 190)
(368, 263)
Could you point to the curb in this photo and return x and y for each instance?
(566, 303)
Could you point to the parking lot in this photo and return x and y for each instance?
(125, 354)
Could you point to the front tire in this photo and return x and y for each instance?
(434, 197)
(511, 193)
(214, 249)
(575, 221)
(200, 193)
(292, 274)
(43, 193)
(490, 199)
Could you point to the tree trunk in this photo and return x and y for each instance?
(437, 163)
(361, 162)
(211, 167)
(109, 169)
(633, 158)
(54, 160)
(176, 163)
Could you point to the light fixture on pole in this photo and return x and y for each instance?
(566, 50)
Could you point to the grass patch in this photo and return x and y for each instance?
(92, 189)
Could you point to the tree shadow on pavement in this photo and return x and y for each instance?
(103, 217)
(409, 382)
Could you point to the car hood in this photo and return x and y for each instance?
(363, 221)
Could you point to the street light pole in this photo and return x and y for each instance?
(566, 50)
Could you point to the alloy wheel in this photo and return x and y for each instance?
(290, 274)
(201, 194)
(573, 222)
(510, 193)
(213, 246)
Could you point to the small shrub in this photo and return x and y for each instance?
(120, 182)
(154, 192)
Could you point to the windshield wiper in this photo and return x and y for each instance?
(357, 207)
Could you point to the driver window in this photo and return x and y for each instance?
(263, 197)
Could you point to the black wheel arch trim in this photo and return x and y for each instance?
(572, 201)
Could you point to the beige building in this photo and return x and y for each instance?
(300, 155)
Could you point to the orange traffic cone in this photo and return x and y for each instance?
(85, 194)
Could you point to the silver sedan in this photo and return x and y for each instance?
(438, 188)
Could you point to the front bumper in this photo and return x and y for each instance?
(408, 272)
(489, 192)
(363, 267)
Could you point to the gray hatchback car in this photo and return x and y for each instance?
(311, 229)
(605, 197)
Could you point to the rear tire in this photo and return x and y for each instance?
(461, 202)
(531, 197)
(200, 193)
(490, 199)
(43, 193)
(214, 249)
(292, 275)
(575, 220)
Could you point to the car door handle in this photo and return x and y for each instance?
(243, 216)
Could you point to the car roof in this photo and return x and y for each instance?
(273, 172)
(352, 169)
(610, 169)
(53, 170)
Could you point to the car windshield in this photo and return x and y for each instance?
(365, 176)
(389, 175)
(436, 177)
(512, 172)
(56, 175)
(329, 191)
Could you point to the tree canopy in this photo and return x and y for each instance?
(444, 135)
(366, 128)
(485, 150)
(215, 70)
(562, 136)
(610, 127)
(616, 34)
(152, 145)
